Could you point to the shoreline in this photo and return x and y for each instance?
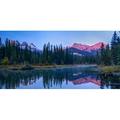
(37, 67)
(103, 70)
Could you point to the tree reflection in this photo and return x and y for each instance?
(110, 81)
(51, 78)
(13, 79)
(56, 78)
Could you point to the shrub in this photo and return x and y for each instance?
(5, 61)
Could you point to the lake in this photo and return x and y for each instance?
(57, 78)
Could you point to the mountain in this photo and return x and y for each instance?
(81, 49)
(23, 45)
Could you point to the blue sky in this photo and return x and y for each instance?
(66, 38)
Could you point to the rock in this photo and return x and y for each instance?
(27, 67)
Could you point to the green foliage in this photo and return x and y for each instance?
(111, 56)
(105, 55)
(56, 55)
(16, 54)
(84, 59)
(11, 52)
(114, 48)
(5, 61)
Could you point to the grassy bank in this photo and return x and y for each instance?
(109, 69)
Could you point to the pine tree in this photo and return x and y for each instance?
(1, 50)
(118, 55)
(118, 52)
(114, 48)
(102, 54)
(107, 60)
(97, 58)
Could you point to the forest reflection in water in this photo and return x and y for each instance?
(67, 78)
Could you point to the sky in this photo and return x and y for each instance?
(66, 38)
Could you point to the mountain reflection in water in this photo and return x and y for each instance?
(68, 78)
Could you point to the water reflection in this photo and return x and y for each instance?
(110, 81)
(12, 80)
(56, 78)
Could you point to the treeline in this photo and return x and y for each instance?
(56, 55)
(12, 52)
(110, 55)
(84, 59)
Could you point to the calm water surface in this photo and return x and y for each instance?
(62, 78)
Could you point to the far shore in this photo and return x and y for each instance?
(95, 68)
(99, 68)
(19, 67)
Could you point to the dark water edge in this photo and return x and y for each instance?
(85, 77)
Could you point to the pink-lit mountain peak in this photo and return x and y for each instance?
(88, 47)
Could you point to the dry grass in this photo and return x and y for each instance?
(110, 69)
